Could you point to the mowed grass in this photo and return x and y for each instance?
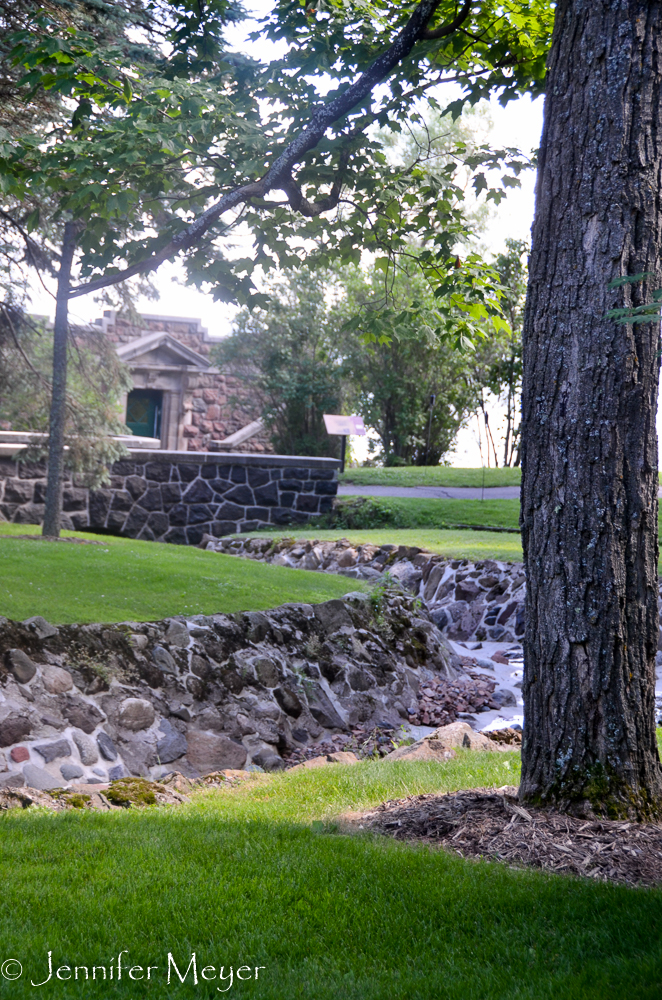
(258, 877)
(472, 545)
(418, 512)
(432, 475)
(126, 580)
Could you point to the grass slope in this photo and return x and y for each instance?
(256, 878)
(414, 512)
(126, 580)
(432, 475)
(453, 544)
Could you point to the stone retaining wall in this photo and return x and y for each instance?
(96, 702)
(178, 497)
(468, 601)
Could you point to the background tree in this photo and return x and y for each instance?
(96, 379)
(291, 355)
(590, 388)
(242, 134)
(394, 378)
(499, 355)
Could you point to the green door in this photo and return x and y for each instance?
(143, 412)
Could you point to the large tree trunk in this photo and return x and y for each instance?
(53, 509)
(589, 488)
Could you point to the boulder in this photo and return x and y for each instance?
(56, 680)
(86, 747)
(442, 743)
(19, 754)
(136, 714)
(21, 665)
(211, 752)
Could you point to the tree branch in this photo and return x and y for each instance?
(444, 30)
(279, 172)
(314, 208)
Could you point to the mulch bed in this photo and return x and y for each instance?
(490, 824)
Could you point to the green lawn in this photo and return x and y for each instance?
(453, 544)
(126, 580)
(258, 878)
(432, 475)
(415, 512)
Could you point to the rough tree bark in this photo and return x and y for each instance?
(53, 508)
(589, 488)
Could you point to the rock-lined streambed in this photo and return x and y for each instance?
(93, 703)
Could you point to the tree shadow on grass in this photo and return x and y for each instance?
(326, 915)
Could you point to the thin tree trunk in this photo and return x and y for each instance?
(53, 508)
(589, 454)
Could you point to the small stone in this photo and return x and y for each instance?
(266, 670)
(210, 752)
(86, 747)
(180, 711)
(288, 701)
(106, 746)
(19, 754)
(136, 714)
(13, 729)
(177, 634)
(164, 660)
(21, 665)
(116, 772)
(12, 779)
(36, 777)
(56, 680)
(41, 628)
(99, 773)
(83, 714)
(172, 744)
(71, 771)
(332, 615)
(49, 751)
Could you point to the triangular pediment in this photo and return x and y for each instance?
(160, 349)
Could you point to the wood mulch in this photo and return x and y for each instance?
(490, 824)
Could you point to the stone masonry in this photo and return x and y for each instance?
(97, 702)
(177, 497)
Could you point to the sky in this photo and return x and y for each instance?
(518, 125)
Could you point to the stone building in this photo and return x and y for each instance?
(178, 396)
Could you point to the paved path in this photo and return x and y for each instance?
(437, 492)
(433, 492)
